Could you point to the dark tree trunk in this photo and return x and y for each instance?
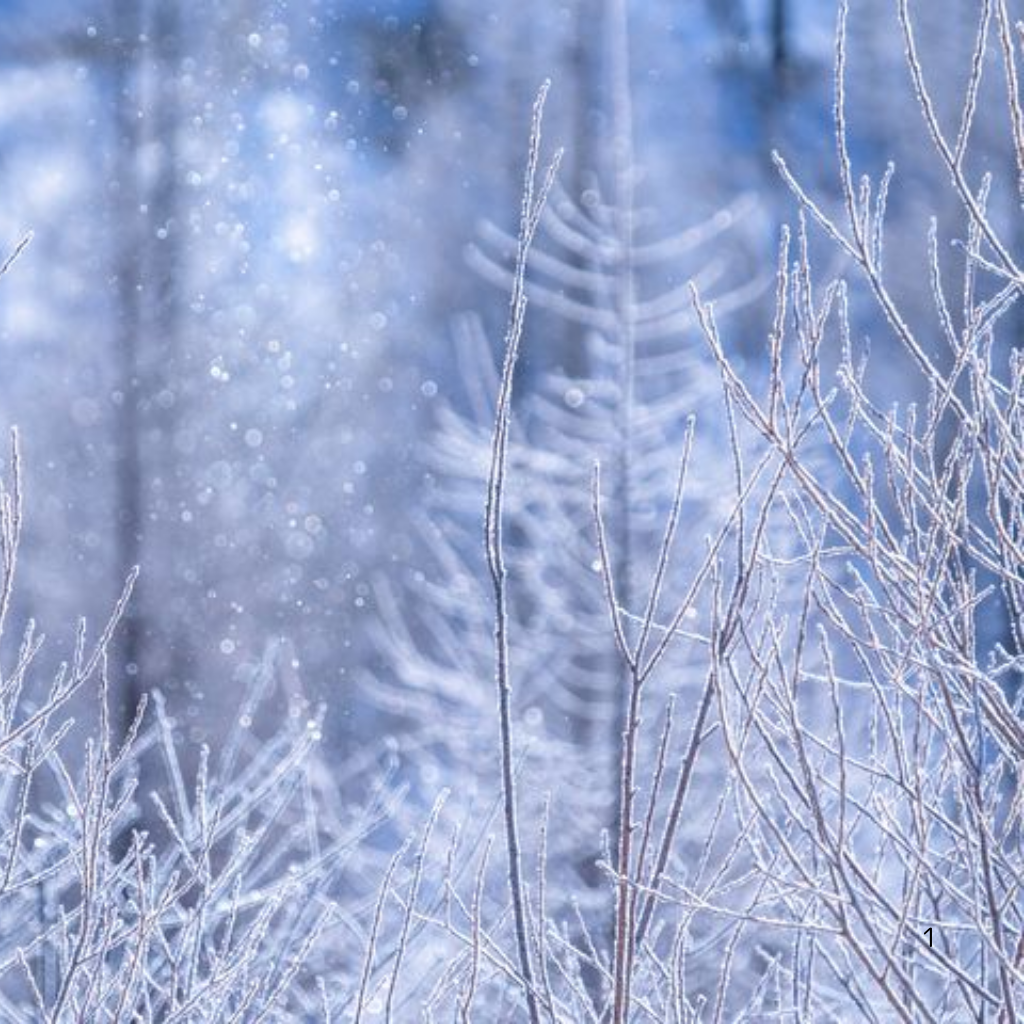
(146, 262)
(780, 36)
(127, 238)
(166, 373)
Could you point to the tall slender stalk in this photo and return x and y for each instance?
(624, 299)
(532, 206)
(628, 722)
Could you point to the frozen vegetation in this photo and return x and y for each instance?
(669, 667)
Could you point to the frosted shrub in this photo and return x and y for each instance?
(825, 824)
(214, 914)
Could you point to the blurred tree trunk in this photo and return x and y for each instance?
(146, 259)
(780, 36)
(582, 162)
(166, 373)
(127, 242)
